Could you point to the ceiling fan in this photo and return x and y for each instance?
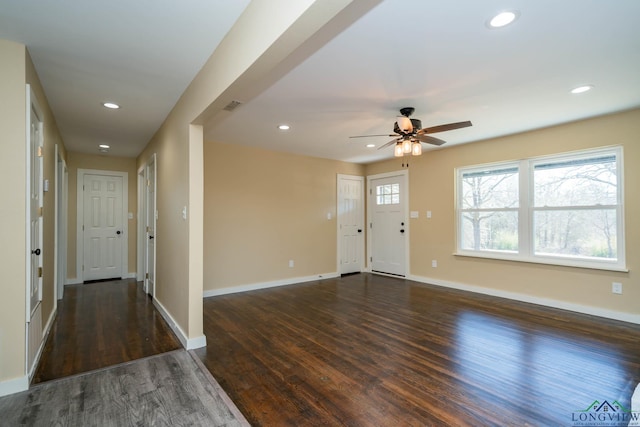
(409, 134)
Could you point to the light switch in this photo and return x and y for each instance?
(130, 215)
(415, 214)
(184, 212)
(428, 214)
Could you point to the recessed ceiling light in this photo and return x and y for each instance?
(110, 105)
(104, 146)
(371, 145)
(284, 127)
(581, 89)
(503, 19)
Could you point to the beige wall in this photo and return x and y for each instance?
(431, 187)
(12, 210)
(250, 57)
(77, 161)
(16, 71)
(264, 208)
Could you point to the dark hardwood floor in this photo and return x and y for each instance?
(103, 324)
(368, 350)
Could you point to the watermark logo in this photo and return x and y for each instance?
(605, 414)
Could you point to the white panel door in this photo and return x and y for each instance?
(350, 223)
(103, 228)
(388, 228)
(150, 224)
(35, 208)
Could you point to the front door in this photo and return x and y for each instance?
(388, 224)
(350, 223)
(103, 227)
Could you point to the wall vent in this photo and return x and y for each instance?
(232, 105)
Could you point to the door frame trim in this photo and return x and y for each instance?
(80, 216)
(404, 174)
(151, 162)
(362, 220)
(140, 241)
(60, 225)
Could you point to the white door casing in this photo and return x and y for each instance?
(150, 225)
(388, 223)
(60, 233)
(141, 231)
(350, 223)
(102, 224)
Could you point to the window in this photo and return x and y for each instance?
(489, 209)
(564, 209)
(388, 194)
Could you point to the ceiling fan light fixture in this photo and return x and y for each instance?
(110, 105)
(371, 145)
(284, 127)
(416, 149)
(398, 151)
(404, 124)
(406, 146)
(503, 19)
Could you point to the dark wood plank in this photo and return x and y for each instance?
(103, 324)
(371, 350)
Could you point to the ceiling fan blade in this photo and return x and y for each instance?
(367, 136)
(429, 139)
(444, 128)
(393, 141)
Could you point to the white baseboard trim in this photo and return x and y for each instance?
(265, 285)
(133, 275)
(548, 302)
(15, 385)
(187, 343)
(45, 335)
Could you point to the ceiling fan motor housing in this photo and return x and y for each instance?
(417, 125)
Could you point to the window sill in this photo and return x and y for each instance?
(554, 262)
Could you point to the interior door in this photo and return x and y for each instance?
(350, 223)
(103, 228)
(35, 210)
(389, 226)
(150, 209)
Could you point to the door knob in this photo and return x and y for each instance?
(118, 232)
(150, 237)
(359, 230)
(402, 231)
(36, 252)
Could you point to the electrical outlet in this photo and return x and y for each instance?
(434, 263)
(290, 263)
(616, 288)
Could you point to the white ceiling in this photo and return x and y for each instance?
(436, 56)
(140, 54)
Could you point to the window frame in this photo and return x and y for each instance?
(526, 210)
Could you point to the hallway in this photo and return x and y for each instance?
(102, 324)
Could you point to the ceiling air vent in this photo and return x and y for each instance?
(232, 105)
